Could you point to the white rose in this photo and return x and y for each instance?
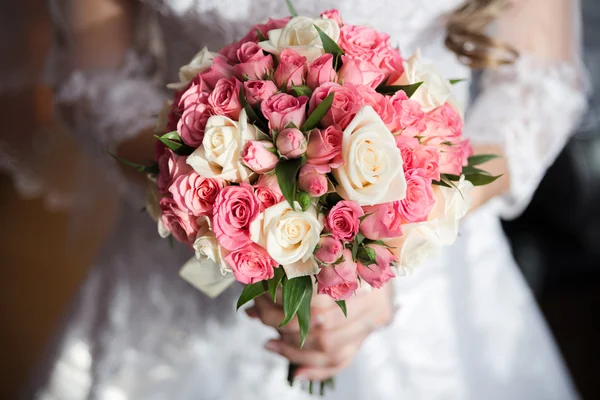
(300, 35)
(423, 240)
(372, 171)
(207, 246)
(435, 90)
(220, 153)
(289, 236)
(200, 63)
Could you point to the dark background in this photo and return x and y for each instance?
(556, 241)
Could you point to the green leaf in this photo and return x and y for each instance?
(455, 81)
(287, 172)
(358, 239)
(342, 305)
(149, 169)
(366, 256)
(293, 12)
(304, 200)
(318, 114)
(480, 179)
(333, 199)
(408, 89)
(253, 117)
(301, 90)
(361, 219)
(294, 292)
(304, 313)
(250, 292)
(338, 261)
(260, 36)
(273, 283)
(329, 45)
(177, 146)
(481, 158)
(469, 170)
(378, 243)
(440, 183)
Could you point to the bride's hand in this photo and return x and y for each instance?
(333, 340)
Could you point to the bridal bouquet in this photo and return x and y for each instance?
(310, 152)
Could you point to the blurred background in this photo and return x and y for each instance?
(559, 253)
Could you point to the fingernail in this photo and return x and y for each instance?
(319, 320)
(272, 346)
(251, 312)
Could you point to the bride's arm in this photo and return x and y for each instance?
(526, 111)
(103, 76)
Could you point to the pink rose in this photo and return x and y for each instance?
(196, 194)
(182, 225)
(256, 91)
(392, 64)
(267, 191)
(379, 273)
(254, 63)
(417, 156)
(454, 155)
(291, 69)
(444, 130)
(170, 166)
(325, 147)
(339, 281)
(329, 250)
(444, 122)
(409, 116)
(364, 43)
(194, 94)
(258, 158)
(343, 220)
(225, 98)
(360, 72)
(384, 221)
(219, 69)
(321, 71)
(380, 103)
(291, 143)
(332, 14)
(251, 264)
(234, 209)
(196, 110)
(230, 51)
(419, 200)
(346, 103)
(313, 179)
(283, 109)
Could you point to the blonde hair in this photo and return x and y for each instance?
(466, 35)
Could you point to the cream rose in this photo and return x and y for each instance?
(289, 236)
(207, 246)
(423, 240)
(435, 90)
(220, 153)
(201, 62)
(300, 35)
(372, 170)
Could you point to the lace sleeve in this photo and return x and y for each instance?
(103, 106)
(532, 107)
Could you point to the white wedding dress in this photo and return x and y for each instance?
(467, 327)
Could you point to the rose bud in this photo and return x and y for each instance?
(313, 180)
(291, 143)
(330, 250)
(257, 156)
